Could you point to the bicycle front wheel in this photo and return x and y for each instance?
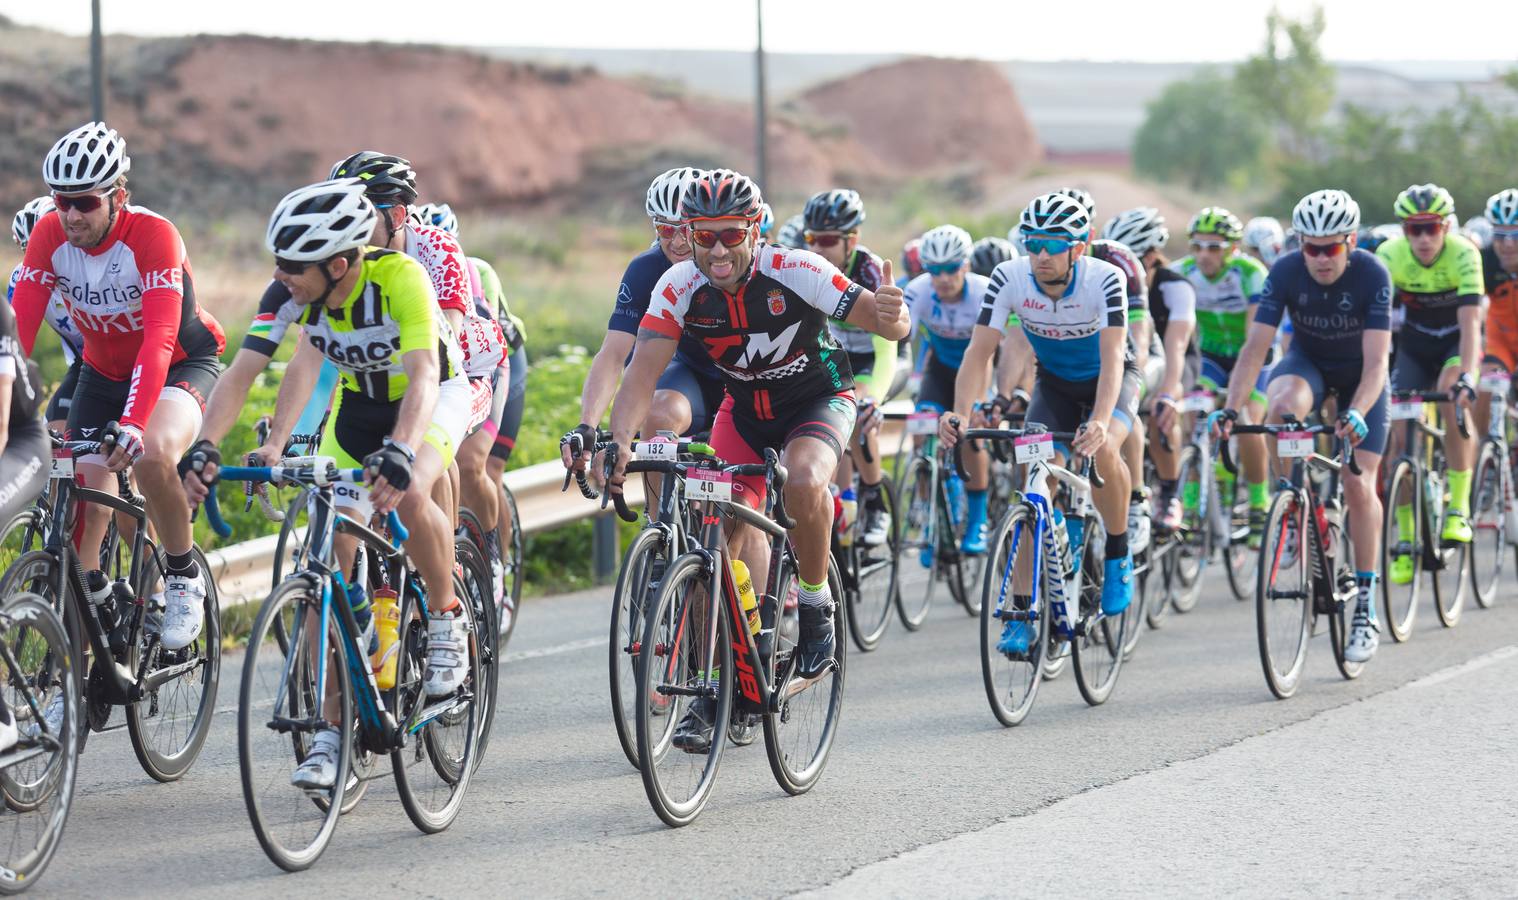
(1402, 554)
(1283, 603)
(874, 578)
(1489, 542)
(1097, 651)
(1012, 678)
(475, 574)
(1194, 542)
(799, 735)
(643, 567)
(917, 574)
(514, 553)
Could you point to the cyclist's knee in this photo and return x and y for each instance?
(671, 411)
(1361, 489)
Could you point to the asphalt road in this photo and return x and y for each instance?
(1192, 780)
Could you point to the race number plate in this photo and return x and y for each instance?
(1496, 383)
(1198, 401)
(1033, 448)
(1294, 443)
(707, 484)
(63, 465)
(922, 423)
(1402, 411)
(655, 449)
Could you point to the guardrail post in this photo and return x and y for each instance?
(605, 548)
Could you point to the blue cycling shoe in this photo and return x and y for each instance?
(1117, 586)
(925, 556)
(1016, 637)
(974, 542)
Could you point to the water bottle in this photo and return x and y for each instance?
(1061, 543)
(363, 616)
(105, 603)
(745, 583)
(850, 509)
(387, 615)
(957, 498)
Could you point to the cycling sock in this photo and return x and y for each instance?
(873, 496)
(1022, 601)
(977, 505)
(1404, 521)
(812, 594)
(182, 564)
(1259, 495)
(1366, 582)
(1459, 490)
(1117, 545)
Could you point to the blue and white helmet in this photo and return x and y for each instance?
(1502, 208)
(27, 217)
(438, 215)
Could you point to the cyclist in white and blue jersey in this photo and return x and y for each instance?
(1074, 310)
(57, 315)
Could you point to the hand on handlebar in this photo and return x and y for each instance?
(1090, 438)
(198, 471)
(1220, 423)
(949, 429)
(1351, 427)
(1165, 412)
(575, 447)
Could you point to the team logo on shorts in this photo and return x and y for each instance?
(777, 302)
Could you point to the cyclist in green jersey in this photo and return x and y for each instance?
(1227, 284)
(1437, 279)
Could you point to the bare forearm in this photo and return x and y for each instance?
(974, 371)
(294, 391)
(1177, 338)
(1247, 369)
(601, 380)
(636, 395)
(1470, 340)
(230, 394)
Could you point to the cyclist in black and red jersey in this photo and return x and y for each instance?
(150, 352)
(761, 313)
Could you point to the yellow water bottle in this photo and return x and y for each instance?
(387, 622)
(745, 583)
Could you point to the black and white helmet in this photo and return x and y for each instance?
(88, 158)
(1502, 208)
(1057, 215)
(990, 252)
(793, 233)
(946, 245)
(1325, 213)
(1083, 197)
(1140, 229)
(666, 191)
(837, 210)
(721, 194)
(321, 220)
(26, 219)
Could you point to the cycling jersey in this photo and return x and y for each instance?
(770, 340)
(23, 462)
(1222, 303)
(633, 297)
(862, 268)
(948, 324)
(1502, 315)
(1134, 279)
(1330, 321)
(391, 312)
(26, 390)
(57, 317)
(490, 301)
(1065, 333)
(132, 298)
(1432, 295)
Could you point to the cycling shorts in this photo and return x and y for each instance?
(704, 394)
(739, 438)
(99, 400)
(1421, 360)
(1341, 384)
(25, 467)
(359, 425)
(937, 389)
(1061, 405)
(1216, 369)
(512, 411)
(63, 398)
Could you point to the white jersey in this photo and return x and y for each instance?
(948, 324)
(1065, 332)
(57, 317)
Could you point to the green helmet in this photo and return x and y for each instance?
(1424, 200)
(1216, 220)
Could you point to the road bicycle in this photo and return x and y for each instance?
(934, 496)
(1494, 506)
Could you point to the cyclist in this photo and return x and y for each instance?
(988, 253)
(1264, 240)
(1172, 313)
(1437, 278)
(1339, 298)
(1074, 310)
(150, 351)
(1151, 366)
(1227, 284)
(762, 312)
(944, 302)
(689, 390)
(1499, 266)
(1479, 230)
(58, 317)
(832, 220)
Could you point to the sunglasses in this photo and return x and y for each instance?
(1208, 245)
(291, 267)
(1413, 229)
(1329, 250)
(824, 240)
(1048, 246)
(666, 232)
(85, 203)
(730, 237)
(943, 268)
(1505, 234)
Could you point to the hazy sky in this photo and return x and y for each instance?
(1146, 30)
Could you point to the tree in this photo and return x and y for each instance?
(1198, 131)
(1289, 82)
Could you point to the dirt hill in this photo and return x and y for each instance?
(218, 122)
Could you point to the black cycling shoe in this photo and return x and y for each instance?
(694, 732)
(814, 650)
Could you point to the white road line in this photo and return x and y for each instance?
(1470, 665)
(555, 650)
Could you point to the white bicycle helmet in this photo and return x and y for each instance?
(1265, 236)
(438, 215)
(946, 245)
(792, 233)
(1057, 215)
(666, 191)
(88, 158)
(1502, 208)
(1140, 229)
(1083, 197)
(26, 219)
(1479, 230)
(321, 220)
(1325, 213)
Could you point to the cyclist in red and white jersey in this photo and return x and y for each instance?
(150, 352)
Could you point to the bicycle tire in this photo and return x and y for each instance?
(1284, 579)
(918, 532)
(1239, 560)
(869, 601)
(1488, 524)
(514, 563)
(475, 574)
(1194, 545)
(632, 594)
(1346, 597)
(1400, 602)
(1097, 651)
(680, 656)
(1011, 683)
(265, 756)
(1161, 593)
(783, 723)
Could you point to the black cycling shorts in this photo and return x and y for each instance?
(1422, 359)
(99, 400)
(704, 394)
(63, 398)
(1341, 384)
(742, 439)
(1061, 405)
(937, 388)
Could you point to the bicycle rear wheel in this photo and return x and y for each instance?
(36, 774)
(799, 735)
(278, 714)
(675, 664)
(475, 574)
(169, 725)
(1451, 578)
(1283, 603)
(514, 553)
(1011, 679)
(1400, 601)
(643, 566)
(917, 575)
(1160, 592)
(1194, 542)
(1097, 650)
(1346, 595)
(1489, 542)
(874, 578)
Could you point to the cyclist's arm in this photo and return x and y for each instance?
(1141, 327)
(1470, 340)
(882, 373)
(36, 281)
(161, 260)
(863, 315)
(601, 381)
(975, 370)
(651, 357)
(415, 415)
(230, 393)
(1377, 348)
(1015, 369)
(294, 390)
(1177, 338)
(1241, 380)
(1109, 383)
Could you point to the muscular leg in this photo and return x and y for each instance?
(1112, 498)
(1288, 395)
(170, 432)
(810, 463)
(475, 488)
(430, 543)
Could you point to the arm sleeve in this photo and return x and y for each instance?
(1254, 274)
(270, 322)
(996, 306)
(448, 268)
(1272, 299)
(670, 299)
(1116, 298)
(414, 306)
(1180, 300)
(1378, 313)
(161, 259)
(35, 281)
(1472, 283)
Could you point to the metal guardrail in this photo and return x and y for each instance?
(242, 571)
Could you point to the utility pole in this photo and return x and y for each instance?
(97, 65)
(760, 110)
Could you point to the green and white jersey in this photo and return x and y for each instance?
(1223, 303)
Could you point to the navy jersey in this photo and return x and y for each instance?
(638, 283)
(1329, 321)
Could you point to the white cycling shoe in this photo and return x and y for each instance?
(1139, 527)
(185, 610)
(1363, 639)
(447, 654)
(318, 771)
(9, 733)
